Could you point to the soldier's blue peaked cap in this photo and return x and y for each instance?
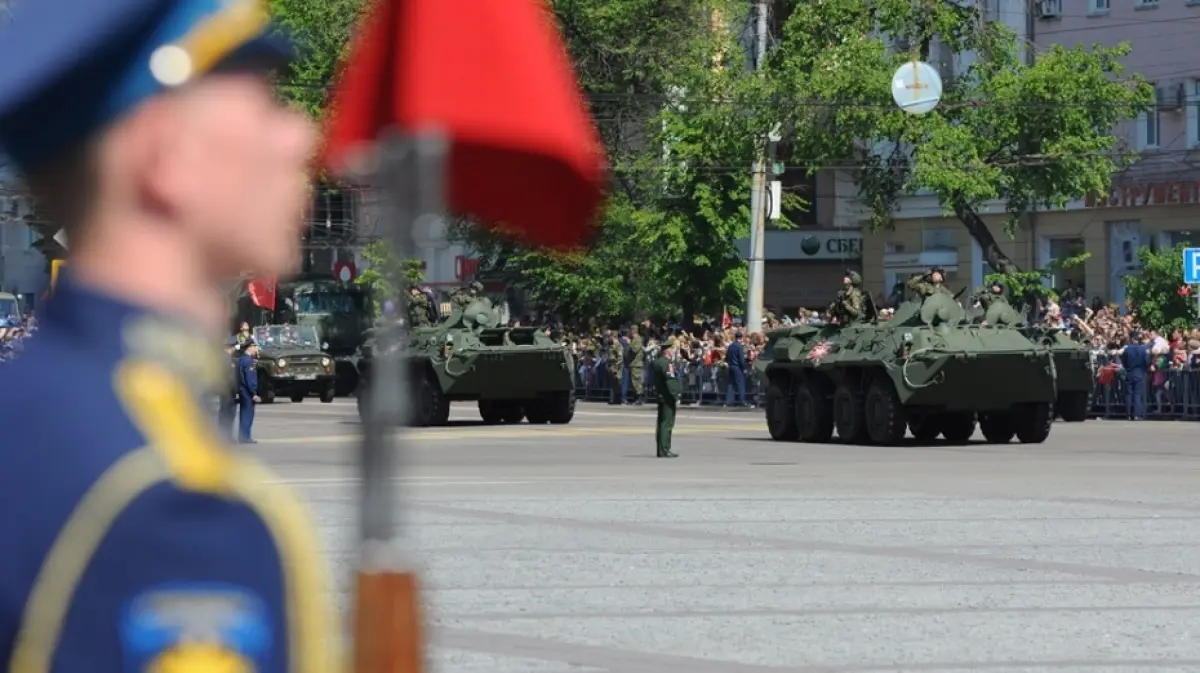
(71, 67)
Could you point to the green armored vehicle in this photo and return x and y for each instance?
(929, 370)
(291, 364)
(514, 373)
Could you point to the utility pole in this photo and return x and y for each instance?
(758, 186)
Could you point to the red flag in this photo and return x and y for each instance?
(262, 292)
(493, 76)
(726, 321)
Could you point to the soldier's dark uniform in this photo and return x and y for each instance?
(419, 308)
(463, 296)
(135, 538)
(668, 388)
(849, 305)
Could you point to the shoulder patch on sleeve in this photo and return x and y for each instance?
(185, 628)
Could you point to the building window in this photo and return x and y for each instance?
(332, 216)
(1169, 239)
(1097, 6)
(1145, 3)
(1150, 125)
(945, 238)
(1070, 277)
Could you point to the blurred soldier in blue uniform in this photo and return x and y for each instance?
(1136, 360)
(735, 359)
(147, 130)
(247, 392)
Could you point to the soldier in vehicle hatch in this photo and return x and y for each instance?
(849, 305)
(928, 284)
(990, 294)
(418, 307)
(465, 295)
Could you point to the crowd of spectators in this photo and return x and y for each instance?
(13, 333)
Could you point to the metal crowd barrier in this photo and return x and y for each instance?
(702, 384)
(1173, 397)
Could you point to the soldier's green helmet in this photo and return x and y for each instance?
(996, 286)
(476, 285)
(855, 278)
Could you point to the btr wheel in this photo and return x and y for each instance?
(925, 427)
(1072, 406)
(997, 427)
(512, 412)
(536, 412)
(431, 406)
(958, 426)
(1032, 422)
(814, 412)
(491, 412)
(781, 416)
(297, 398)
(848, 416)
(884, 414)
(560, 407)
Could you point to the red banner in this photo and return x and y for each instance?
(262, 292)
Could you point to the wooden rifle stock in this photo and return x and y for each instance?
(389, 634)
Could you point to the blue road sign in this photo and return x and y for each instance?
(1191, 266)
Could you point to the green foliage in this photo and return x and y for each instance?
(665, 243)
(1154, 292)
(1029, 286)
(387, 276)
(321, 29)
(1033, 136)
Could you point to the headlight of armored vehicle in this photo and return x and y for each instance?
(281, 363)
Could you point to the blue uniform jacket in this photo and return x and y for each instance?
(247, 376)
(1136, 360)
(735, 355)
(135, 539)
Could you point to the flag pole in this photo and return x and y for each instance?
(388, 631)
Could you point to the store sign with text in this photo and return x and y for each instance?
(830, 245)
(1139, 194)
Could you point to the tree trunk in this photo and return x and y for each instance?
(689, 310)
(983, 236)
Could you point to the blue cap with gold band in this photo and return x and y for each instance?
(71, 67)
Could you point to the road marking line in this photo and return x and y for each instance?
(443, 481)
(502, 433)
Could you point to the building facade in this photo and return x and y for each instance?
(1153, 204)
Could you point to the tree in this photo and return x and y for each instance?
(1158, 294)
(1034, 136)
(387, 276)
(322, 30)
(664, 78)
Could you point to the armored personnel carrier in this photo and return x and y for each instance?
(929, 369)
(514, 373)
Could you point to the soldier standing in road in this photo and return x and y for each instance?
(418, 307)
(669, 390)
(637, 364)
(247, 392)
(616, 369)
(150, 131)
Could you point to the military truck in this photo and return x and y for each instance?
(512, 373)
(341, 312)
(291, 364)
(928, 370)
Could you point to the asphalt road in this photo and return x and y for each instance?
(554, 549)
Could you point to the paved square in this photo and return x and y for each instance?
(554, 549)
